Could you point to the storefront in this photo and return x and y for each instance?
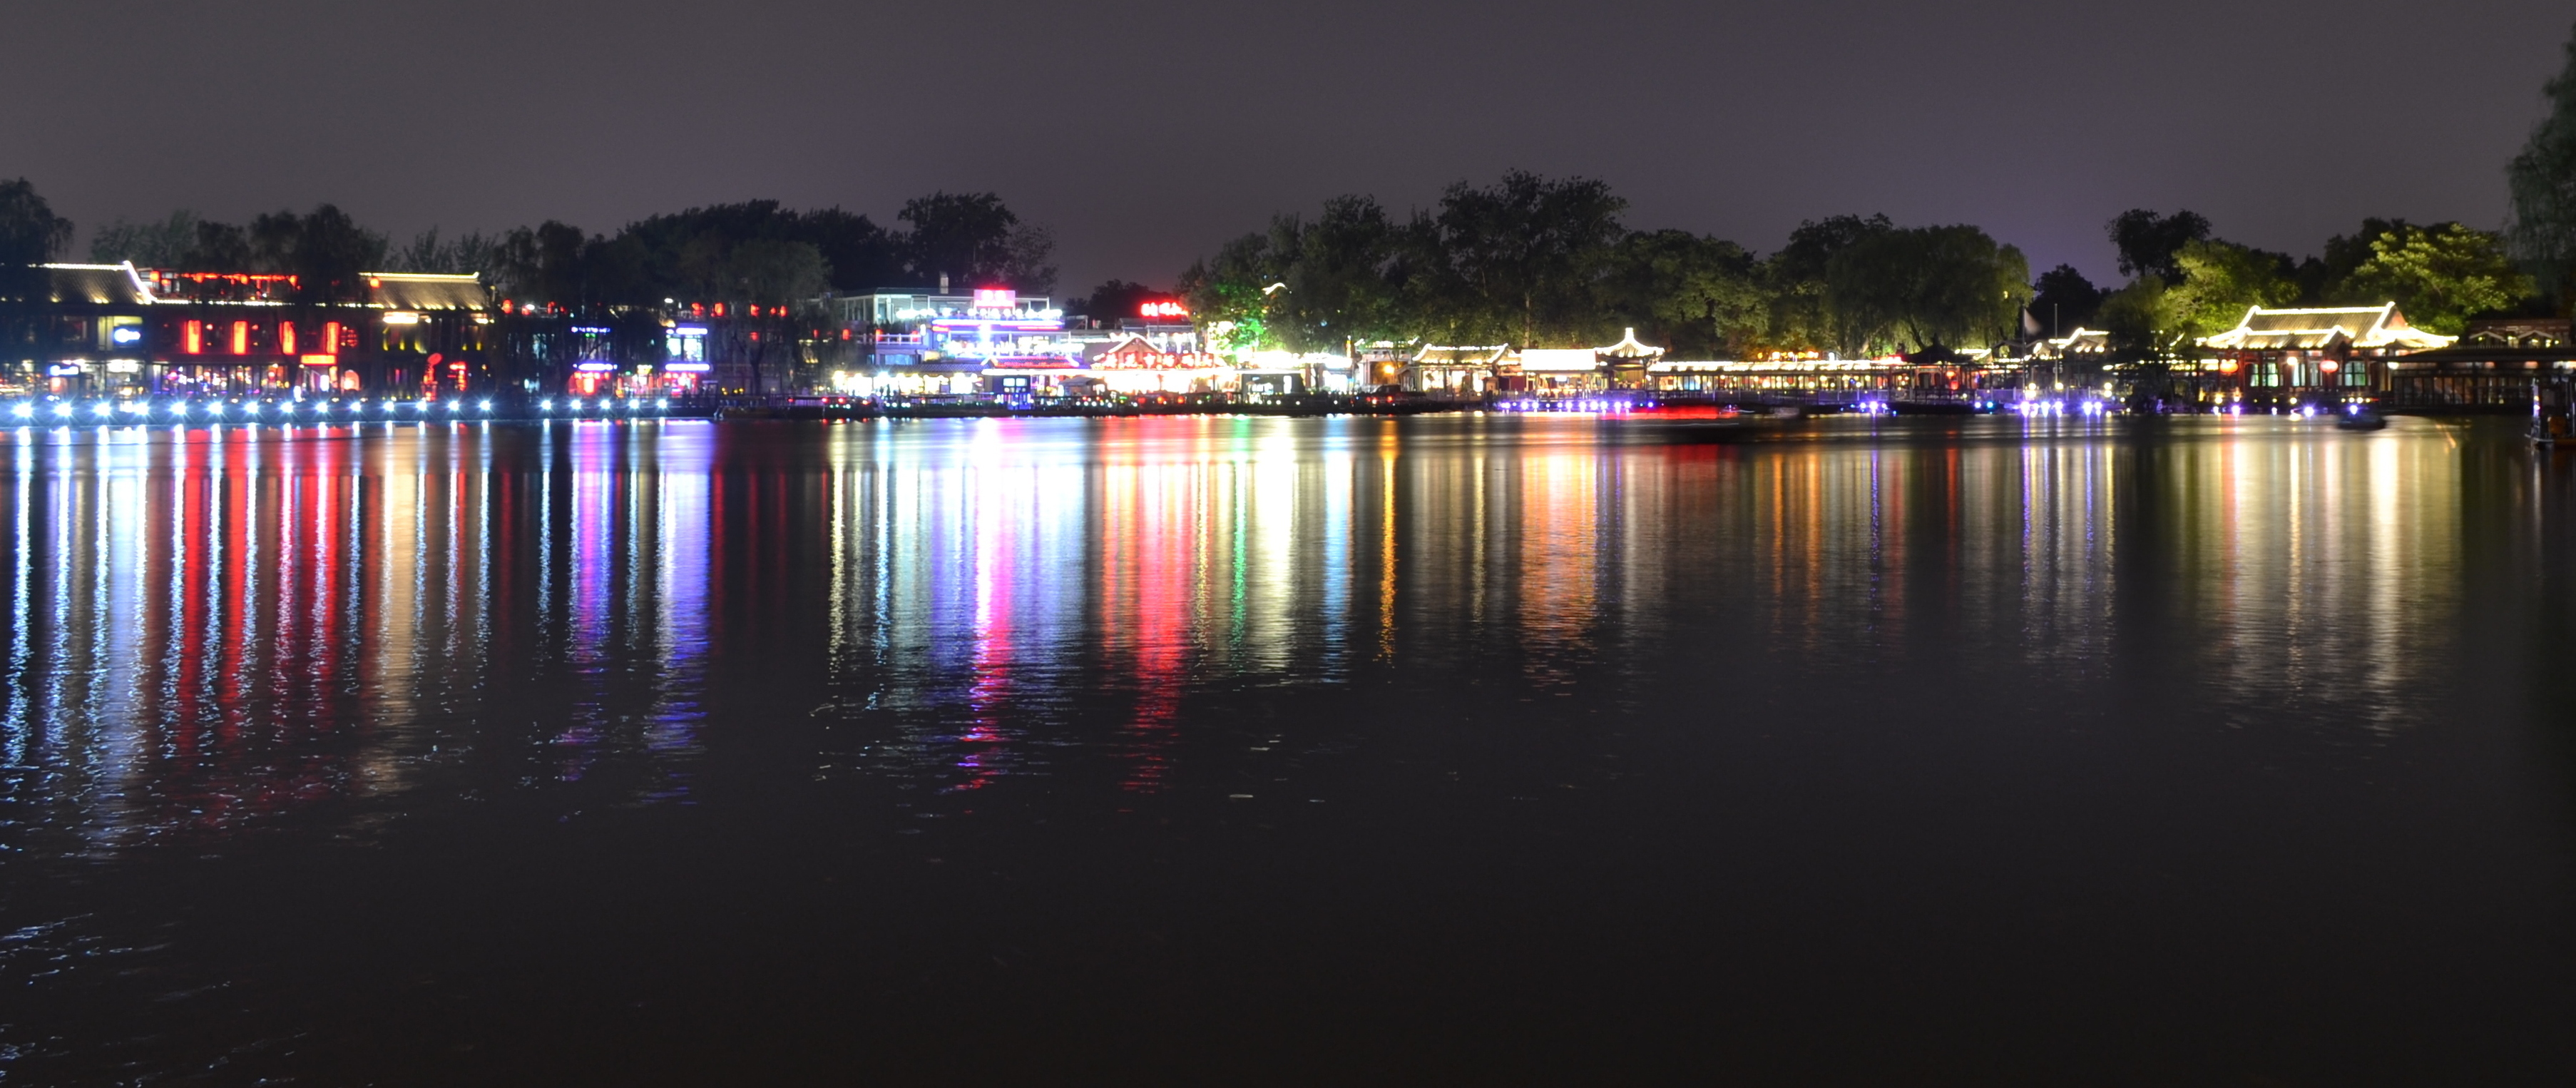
(1455, 371)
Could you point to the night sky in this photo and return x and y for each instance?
(1144, 133)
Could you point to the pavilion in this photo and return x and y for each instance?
(2276, 356)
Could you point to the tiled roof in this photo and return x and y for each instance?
(1439, 355)
(1629, 348)
(2367, 327)
(98, 284)
(423, 291)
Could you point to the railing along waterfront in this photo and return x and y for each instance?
(140, 411)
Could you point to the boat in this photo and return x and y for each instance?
(2360, 417)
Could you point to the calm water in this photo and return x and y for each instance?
(1288, 751)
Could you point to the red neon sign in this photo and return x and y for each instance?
(996, 298)
(330, 338)
(1163, 308)
(192, 337)
(286, 338)
(241, 338)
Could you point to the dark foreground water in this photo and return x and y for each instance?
(1289, 751)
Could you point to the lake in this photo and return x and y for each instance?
(1513, 749)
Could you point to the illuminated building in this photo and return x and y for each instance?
(1476, 371)
(2494, 364)
(1455, 371)
(2280, 356)
(920, 343)
(1133, 366)
(120, 329)
(1289, 373)
(995, 342)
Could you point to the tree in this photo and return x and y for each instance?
(325, 250)
(30, 234)
(2220, 281)
(2542, 180)
(2141, 321)
(153, 243)
(218, 247)
(1229, 294)
(429, 251)
(773, 272)
(1334, 272)
(1800, 316)
(2063, 300)
(1928, 286)
(332, 254)
(1522, 259)
(2439, 276)
(861, 255)
(544, 265)
(1701, 296)
(974, 240)
(1114, 300)
(2324, 282)
(2149, 242)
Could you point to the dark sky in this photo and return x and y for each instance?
(1143, 133)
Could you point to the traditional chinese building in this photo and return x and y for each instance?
(1445, 370)
(2492, 366)
(1626, 361)
(2279, 357)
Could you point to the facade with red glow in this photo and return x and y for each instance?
(119, 330)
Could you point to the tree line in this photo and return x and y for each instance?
(754, 252)
(1536, 261)
(1539, 261)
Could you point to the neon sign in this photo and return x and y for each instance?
(1165, 308)
(996, 298)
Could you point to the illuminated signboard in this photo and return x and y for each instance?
(125, 334)
(996, 298)
(594, 366)
(590, 330)
(1146, 358)
(686, 348)
(1162, 308)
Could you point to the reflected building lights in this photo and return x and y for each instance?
(207, 630)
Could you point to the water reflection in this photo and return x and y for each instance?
(206, 630)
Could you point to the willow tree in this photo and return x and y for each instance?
(2543, 182)
(30, 234)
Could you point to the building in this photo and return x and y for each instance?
(1476, 371)
(925, 343)
(116, 330)
(2493, 366)
(2279, 357)
(1456, 371)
